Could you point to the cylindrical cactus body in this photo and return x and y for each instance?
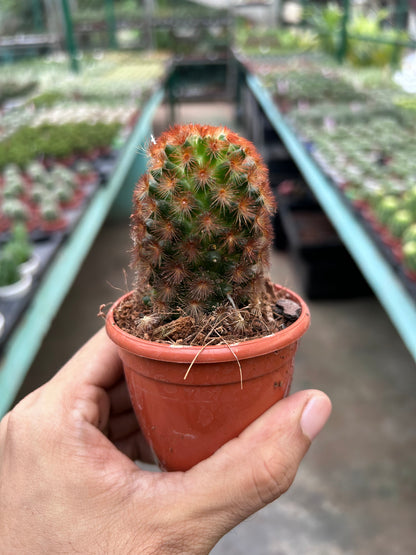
(201, 224)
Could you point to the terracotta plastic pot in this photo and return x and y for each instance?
(186, 413)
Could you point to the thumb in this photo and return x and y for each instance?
(260, 465)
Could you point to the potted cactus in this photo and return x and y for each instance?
(51, 215)
(13, 284)
(202, 338)
(21, 249)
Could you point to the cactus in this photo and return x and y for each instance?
(410, 234)
(409, 254)
(15, 209)
(201, 225)
(19, 246)
(386, 208)
(9, 271)
(49, 209)
(409, 200)
(399, 222)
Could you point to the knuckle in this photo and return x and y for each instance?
(271, 480)
(19, 420)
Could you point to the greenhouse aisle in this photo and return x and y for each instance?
(355, 492)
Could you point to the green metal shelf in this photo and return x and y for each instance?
(386, 284)
(23, 345)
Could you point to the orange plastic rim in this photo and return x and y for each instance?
(218, 353)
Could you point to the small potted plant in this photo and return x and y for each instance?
(206, 340)
(13, 186)
(51, 217)
(21, 249)
(13, 285)
(36, 171)
(409, 259)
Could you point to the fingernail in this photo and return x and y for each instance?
(315, 415)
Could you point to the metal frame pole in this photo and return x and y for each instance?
(343, 38)
(111, 23)
(401, 14)
(37, 16)
(70, 39)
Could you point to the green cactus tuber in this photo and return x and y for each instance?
(9, 271)
(409, 200)
(386, 208)
(400, 221)
(410, 233)
(201, 225)
(19, 246)
(409, 254)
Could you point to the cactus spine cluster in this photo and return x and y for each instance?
(201, 224)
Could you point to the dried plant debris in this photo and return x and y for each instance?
(226, 324)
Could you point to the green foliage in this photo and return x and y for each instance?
(327, 24)
(409, 253)
(9, 271)
(12, 89)
(201, 225)
(15, 209)
(386, 208)
(406, 102)
(366, 52)
(271, 40)
(58, 141)
(313, 86)
(47, 99)
(400, 221)
(19, 246)
(410, 234)
(49, 209)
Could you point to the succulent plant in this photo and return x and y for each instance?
(400, 221)
(35, 170)
(409, 200)
(386, 208)
(9, 271)
(201, 223)
(410, 233)
(11, 169)
(37, 193)
(19, 246)
(15, 209)
(49, 209)
(62, 174)
(83, 167)
(409, 254)
(63, 192)
(13, 185)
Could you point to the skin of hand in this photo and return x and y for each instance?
(68, 483)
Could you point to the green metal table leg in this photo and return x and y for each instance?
(70, 39)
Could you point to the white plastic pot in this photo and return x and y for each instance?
(2, 324)
(30, 266)
(16, 290)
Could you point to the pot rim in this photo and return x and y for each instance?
(17, 289)
(210, 353)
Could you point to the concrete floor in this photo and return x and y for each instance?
(355, 492)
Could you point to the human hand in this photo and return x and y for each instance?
(68, 484)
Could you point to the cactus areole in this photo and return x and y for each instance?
(201, 225)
